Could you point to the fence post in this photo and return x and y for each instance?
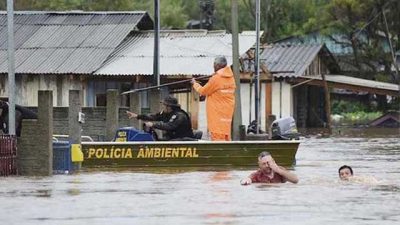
(75, 128)
(35, 146)
(111, 113)
(135, 105)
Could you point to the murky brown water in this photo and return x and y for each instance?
(215, 197)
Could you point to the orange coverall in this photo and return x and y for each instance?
(220, 95)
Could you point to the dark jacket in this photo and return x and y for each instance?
(177, 124)
(20, 113)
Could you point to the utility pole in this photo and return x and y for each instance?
(11, 67)
(257, 67)
(156, 60)
(154, 95)
(237, 117)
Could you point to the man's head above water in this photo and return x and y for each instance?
(269, 172)
(345, 172)
(264, 161)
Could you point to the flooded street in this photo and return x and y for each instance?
(215, 197)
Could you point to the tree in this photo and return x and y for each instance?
(362, 26)
(172, 14)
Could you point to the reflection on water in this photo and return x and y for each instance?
(215, 197)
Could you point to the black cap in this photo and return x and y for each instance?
(171, 101)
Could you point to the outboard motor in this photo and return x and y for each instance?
(252, 128)
(284, 129)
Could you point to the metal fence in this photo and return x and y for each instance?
(8, 155)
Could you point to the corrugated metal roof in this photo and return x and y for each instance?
(55, 60)
(3, 20)
(3, 56)
(293, 58)
(71, 64)
(67, 42)
(3, 35)
(76, 19)
(188, 52)
(61, 34)
(36, 58)
(361, 82)
(80, 35)
(90, 63)
(23, 34)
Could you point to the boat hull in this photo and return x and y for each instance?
(185, 154)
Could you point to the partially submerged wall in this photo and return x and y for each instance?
(95, 121)
(35, 146)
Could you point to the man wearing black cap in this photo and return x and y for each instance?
(172, 119)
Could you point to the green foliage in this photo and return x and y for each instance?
(279, 18)
(341, 107)
(394, 104)
(223, 14)
(3, 5)
(360, 117)
(354, 113)
(172, 14)
(363, 25)
(191, 9)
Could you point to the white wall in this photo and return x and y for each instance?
(282, 101)
(202, 120)
(248, 106)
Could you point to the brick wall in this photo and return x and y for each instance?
(95, 121)
(35, 147)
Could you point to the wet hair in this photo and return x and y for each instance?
(346, 167)
(263, 154)
(221, 61)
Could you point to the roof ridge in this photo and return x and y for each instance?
(77, 12)
(294, 45)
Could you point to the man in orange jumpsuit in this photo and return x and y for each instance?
(220, 95)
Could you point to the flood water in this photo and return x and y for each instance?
(215, 197)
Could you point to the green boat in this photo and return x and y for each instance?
(186, 153)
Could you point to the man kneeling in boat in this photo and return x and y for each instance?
(171, 119)
(269, 172)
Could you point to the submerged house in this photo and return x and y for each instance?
(341, 48)
(183, 54)
(389, 119)
(59, 51)
(283, 89)
(297, 81)
(97, 51)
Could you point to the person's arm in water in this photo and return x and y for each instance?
(291, 177)
(246, 181)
